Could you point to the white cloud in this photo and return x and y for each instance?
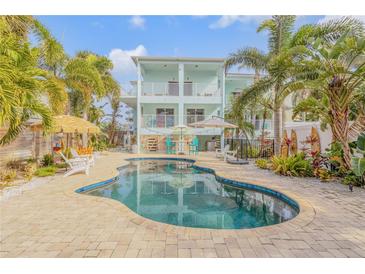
(137, 22)
(331, 17)
(228, 20)
(124, 68)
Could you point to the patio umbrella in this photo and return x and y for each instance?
(213, 122)
(181, 130)
(180, 180)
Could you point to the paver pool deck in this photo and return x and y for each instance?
(54, 221)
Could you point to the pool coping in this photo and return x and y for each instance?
(305, 216)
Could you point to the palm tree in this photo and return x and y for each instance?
(273, 65)
(22, 82)
(336, 70)
(237, 116)
(278, 65)
(84, 80)
(115, 103)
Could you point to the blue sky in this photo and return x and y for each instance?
(205, 36)
(119, 37)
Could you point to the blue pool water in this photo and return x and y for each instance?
(176, 192)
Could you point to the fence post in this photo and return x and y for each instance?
(241, 147)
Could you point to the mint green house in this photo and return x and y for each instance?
(173, 91)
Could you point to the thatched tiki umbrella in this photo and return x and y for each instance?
(68, 124)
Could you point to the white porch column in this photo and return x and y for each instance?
(139, 92)
(223, 94)
(181, 94)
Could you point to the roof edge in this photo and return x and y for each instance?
(167, 58)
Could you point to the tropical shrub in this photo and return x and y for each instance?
(262, 163)
(15, 164)
(253, 152)
(294, 165)
(61, 165)
(98, 143)
(353, 179)
(358, 163)
(45, 171)
(323, 174)
(29, 170)
(47, 160)
(335, 155)
(7, 175)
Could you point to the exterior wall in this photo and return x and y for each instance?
(303, 130)
(29, 144)
(205, 78)
(236, 84)
(151, 108)
(161, 76)
(207, 91)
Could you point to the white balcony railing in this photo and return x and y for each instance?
(189, 119)
(167, 121)
(172, 89)
(160, 89)
(201, 89)
(158, 121)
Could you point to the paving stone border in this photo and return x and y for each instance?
(53, 220)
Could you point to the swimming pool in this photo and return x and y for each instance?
(179, 193)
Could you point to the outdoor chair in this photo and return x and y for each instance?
(219, 153)
(194, 146)
(225, 153)
(231, 155)
(76, 165)
(89, 157)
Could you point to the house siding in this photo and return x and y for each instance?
(29, 144)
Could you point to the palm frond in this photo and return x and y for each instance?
(247, 57)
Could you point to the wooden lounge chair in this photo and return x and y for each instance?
(76, 165)
(89, 157)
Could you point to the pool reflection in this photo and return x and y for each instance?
(173, 192)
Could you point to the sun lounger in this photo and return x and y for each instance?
(90, 157)
(76, 165)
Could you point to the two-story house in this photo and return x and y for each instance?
(173, 91)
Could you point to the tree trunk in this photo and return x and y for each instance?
(84, 135)
(340, 131)
(112, 127)
(262, 141)
(277, 130)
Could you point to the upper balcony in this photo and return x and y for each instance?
(172, 89)
(160, 89)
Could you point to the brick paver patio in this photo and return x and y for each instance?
(54, 221)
